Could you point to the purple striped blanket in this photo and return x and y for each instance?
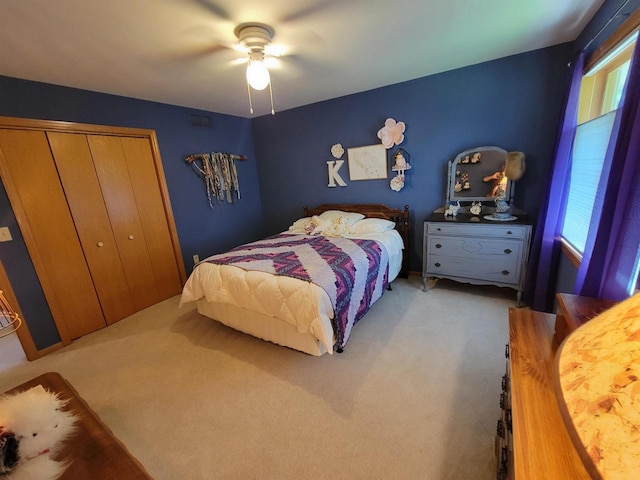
(353, 272)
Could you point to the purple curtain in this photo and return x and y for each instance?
(545, 249)
(611, 253)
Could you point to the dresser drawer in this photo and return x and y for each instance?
(501, 269)
(474, 246)
(481, 230)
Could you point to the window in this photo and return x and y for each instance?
(600, 93)
(589, 149)
(601, 87)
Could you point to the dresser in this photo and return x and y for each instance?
(471, 249)
(532, 441)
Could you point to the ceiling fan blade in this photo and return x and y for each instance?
(317, 7)
(212, 7)
(192, 54)
(295, 66)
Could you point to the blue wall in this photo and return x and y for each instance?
(201, 230)
(514, 103)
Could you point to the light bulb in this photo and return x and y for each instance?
(258, 75)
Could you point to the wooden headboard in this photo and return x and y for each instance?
(374, 210)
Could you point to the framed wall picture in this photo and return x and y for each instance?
(367, 163)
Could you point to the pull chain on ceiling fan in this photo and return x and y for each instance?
(255, 37)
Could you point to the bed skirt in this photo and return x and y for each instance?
(261, 326)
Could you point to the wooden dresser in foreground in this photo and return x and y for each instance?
(533, 442)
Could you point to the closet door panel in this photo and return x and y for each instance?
(50, 233)
(110, 164)
(82, 189)
(144, 180)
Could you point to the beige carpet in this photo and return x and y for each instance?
(414, 395)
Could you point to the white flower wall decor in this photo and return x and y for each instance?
(392, 133)
(333, 166)
(337, 151)
(397, 183)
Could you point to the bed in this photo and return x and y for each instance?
(254, 289)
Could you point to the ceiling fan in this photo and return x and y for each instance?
(255, 38)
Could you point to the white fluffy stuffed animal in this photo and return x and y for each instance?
(33, 423)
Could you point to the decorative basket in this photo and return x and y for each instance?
(9, 320)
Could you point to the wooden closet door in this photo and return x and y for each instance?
(82, 189)
(39, 201)
(111, 166)
(146, 188)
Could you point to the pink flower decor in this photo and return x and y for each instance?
(392, 133)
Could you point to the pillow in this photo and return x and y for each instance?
(372, 225)
(338, 216)
(300, 225)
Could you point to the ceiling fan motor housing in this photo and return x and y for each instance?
(254, 36)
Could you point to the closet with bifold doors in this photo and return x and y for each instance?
(94, 211)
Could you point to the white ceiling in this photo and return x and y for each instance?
(169, 50)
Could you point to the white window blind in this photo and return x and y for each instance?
(589, 149)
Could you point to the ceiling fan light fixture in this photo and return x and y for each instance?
(258, 74)
(255, 37)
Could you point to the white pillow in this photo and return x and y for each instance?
(372, 225)
(338, 216)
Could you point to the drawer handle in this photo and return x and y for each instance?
(500, 429)
(439, 229)
(507, 251)
(508, 420)
(505, 383)
(438, 245)
(503, 400)
(509, 232)
(505, 272)
(131, 237)
(100, 244)
(503, 473)
(506, 351)
(437, 264)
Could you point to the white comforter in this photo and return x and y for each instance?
(302, 304)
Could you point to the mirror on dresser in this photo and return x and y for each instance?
(478, 175)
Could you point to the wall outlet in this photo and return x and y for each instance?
(5, 234)
(196, 259)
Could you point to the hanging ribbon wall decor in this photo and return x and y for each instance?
(219, 172)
